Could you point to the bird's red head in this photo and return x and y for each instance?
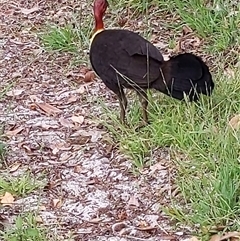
(99, 8)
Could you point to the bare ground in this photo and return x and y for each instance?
(52, 127)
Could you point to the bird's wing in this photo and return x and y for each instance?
(125, 57)
(140, 61)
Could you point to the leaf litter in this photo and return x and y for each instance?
(48, 119)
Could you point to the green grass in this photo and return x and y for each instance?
(217, 22)
(3, 150)
(25, 228)
(72, 38)
(209, 177)
(19, 186)
(61, 39)
(3, 146)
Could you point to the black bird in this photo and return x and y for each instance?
(123, 59)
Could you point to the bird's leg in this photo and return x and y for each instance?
(144, 102)
(123, 105)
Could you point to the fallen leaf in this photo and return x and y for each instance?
(7, 199)
(94, 134)
(234, 239)
(29, 10)
(39, 219)
(65, 122)
(77, 119)
(14, 167)
(89, 76)
(42, 208)
(64, 157)
(133, 201)
(57, 203)
(77, 169)
(14, 132)
(95, 220)
(72, 99)
(215, 237)
(230, 235)
(149, 228)
(186, 30)
(49, 109)
(234, 123)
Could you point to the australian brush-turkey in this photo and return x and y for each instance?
(123, 59)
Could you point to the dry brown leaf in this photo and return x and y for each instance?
(95, 220)
(215, 237)
(7, 199)
(133, 201)
(148, 228)
(89, 76)
(230, 235)
(77, 119)
(72, 99)
(65, 122)
(94, 134)
(49, 109)
(57, 203)
(186, 30)
(42, 208)
(14, 132)
(29, 10)
(234, 123)
(77, 169)
(39, 219)
(234, 239)
(15, 167)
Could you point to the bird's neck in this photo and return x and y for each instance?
(98, 23)
(99, 26)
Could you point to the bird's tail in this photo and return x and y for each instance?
(185, 74)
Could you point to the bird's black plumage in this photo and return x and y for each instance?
(126, 56)
(123, 59)
(187, 73)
